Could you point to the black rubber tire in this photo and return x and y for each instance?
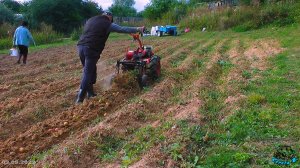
(142, 80)
(155, 67)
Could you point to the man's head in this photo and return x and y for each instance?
(24, 23)
(109, 15)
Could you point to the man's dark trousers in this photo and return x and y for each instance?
(89, 58)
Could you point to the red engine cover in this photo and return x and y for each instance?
(129, 55)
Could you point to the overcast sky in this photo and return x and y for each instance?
(139, 4)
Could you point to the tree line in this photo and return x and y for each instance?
(63, 15)
(67, 15)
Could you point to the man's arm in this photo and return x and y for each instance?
(121, 29)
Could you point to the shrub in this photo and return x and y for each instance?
(6, 30)
(75, 35)
(6, 15)
(245, 27)
(6, 43)
(243, 18)
(174, 16)
(63, 15)
(281, 15)
(44, 35)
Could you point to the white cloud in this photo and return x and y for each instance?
(104, 3)
(139, 4)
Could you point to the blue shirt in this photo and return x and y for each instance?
(22, 36)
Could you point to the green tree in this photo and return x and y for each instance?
(12, 5)
(90, 8)
(194, 2)
(175, 14)
(156, 8)
(123, 8)
(126, 3)
(6, 15)
(63, 15)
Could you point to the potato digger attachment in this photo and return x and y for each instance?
(143, 61)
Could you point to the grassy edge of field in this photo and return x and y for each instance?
(269, 116)
(67, 42)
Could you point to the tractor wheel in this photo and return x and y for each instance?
(143, 81)
(154, 67)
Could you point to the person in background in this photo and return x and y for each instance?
(22, 39)
(90, 46)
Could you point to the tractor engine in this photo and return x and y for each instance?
(148, 51)
(129, 55)
(143, 61)
(140, 53)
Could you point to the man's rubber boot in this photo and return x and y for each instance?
(80, 97)
(91, 93)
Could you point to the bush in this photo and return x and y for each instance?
(13, 5)
(6, 30)
(243, 18)
(75, 35)
(6, 43)
(156, 8)
(245, 27)
(6, 15)
(63, 15)
(280, 15)
(44, 35)
(174, 16)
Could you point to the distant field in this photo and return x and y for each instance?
(225, 99)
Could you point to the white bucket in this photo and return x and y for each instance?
(14, 52)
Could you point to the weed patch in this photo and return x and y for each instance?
(108, 147)
(223, 157)
(175, 62)
(144, 139)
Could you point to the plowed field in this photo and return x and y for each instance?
(123, 125)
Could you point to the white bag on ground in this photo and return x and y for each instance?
(153, 31)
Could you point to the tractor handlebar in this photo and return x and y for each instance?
(137, 38)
